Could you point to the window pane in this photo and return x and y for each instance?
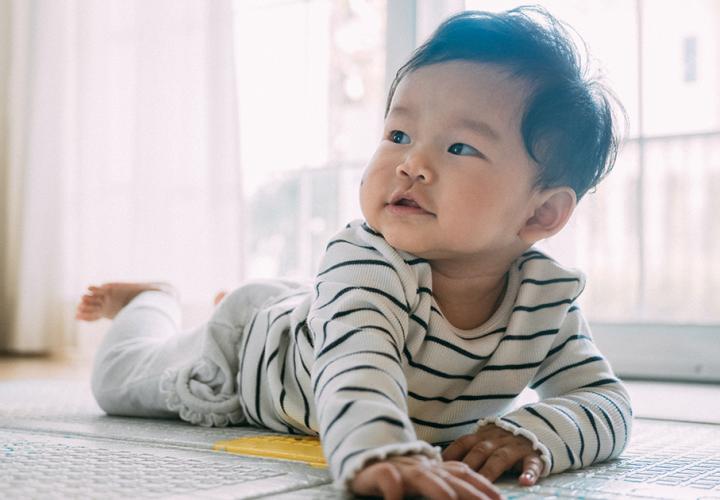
(601, 239)
(682, 243)
(681, 117)
(681, 50)
(311, 76)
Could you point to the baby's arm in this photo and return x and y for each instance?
(359, 320)
(584, 414)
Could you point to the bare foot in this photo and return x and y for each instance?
(219, 296)
(106, 300)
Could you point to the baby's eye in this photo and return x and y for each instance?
(399, 137)
(463, 149)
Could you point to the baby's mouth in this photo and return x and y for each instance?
(406, 205)
(404, 202)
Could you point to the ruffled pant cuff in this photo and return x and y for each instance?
(224, 410)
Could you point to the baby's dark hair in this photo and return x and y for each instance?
(568, 126)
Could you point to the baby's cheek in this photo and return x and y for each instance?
(366, 199)
(371, 186)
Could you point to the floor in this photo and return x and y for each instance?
(73, 364)
(55, 440)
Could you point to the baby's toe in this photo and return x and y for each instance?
(98, 291)
(219, 296)
(89, 308)
(85, 316)
(91, 299)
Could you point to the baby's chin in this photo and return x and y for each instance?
(410, 246)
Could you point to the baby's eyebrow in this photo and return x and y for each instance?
(401, 110)
(480, 127)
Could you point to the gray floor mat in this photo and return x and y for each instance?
(68, 407)
(56, 443)
(46, 466)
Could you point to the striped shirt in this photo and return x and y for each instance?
(365, 359)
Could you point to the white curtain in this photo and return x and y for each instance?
(118, 156)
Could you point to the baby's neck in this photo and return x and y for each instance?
(468, 299)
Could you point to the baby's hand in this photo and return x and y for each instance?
(492, 451)
(395, 477)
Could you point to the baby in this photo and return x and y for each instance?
(428, 318)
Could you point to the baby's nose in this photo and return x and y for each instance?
(416, 168)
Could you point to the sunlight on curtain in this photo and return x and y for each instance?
(130, 154)
(35, 151)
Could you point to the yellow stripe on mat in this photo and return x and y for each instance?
(305, 449)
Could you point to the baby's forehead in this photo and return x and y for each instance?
(465, 88)
(469, 75)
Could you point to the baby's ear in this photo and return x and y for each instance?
(554, 207)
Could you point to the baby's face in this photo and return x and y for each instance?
(450, 177)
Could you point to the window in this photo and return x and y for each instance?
(311, 79)
(648, 238)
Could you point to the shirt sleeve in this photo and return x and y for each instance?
(359, 320)
(584, 414)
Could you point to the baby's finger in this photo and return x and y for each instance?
(477, 456)
(426, 483)
(390, 483)
(467, 491)
(462, 471)
(460, 447)
(379, 479)
(501, 460)
(532, 468)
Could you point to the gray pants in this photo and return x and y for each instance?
(146, 367)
